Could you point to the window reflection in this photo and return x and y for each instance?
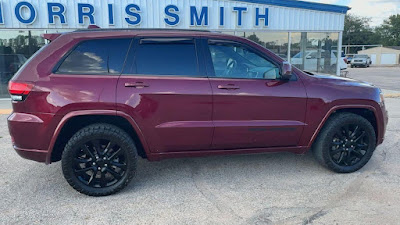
(315, 52)
(15, 48)
(277, 42)
(105, 56)
(233, 61)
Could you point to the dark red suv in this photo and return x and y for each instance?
(97, 99)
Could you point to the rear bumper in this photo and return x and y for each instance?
(32, 154)
(31, 134)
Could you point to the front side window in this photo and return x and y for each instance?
(106, 56)
(231, 60)
(165, 57)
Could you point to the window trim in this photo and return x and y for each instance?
(69, 52)
(209, 62)
(157, 39)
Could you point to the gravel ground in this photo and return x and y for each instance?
(383, 77)
(252, 189)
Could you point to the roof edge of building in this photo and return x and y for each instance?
(303, 5)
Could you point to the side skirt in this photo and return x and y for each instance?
(203, 153)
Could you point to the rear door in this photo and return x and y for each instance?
(253, 107)
(165, 90)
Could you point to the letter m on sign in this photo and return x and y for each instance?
(196, 19)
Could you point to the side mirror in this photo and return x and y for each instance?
(286, 71)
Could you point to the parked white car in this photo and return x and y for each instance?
(361, 61)
(312, 57)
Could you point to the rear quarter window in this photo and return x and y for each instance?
(105, 56)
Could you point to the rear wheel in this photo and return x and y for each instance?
(346, 143)
(99, 160)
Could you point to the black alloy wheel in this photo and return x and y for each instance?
(99, 160)
(349, 145)
(345, 143)
(100, 163)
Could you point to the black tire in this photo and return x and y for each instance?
(352, 66)
(341, 152)
(99, 160)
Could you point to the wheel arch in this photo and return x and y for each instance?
(74, 121)
(366, 111)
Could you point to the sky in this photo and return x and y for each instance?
(377, 10)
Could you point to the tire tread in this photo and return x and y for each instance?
(89, 131)
(321, 153)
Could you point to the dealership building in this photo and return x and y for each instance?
(306, 34)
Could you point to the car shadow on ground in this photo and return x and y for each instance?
(222, 168)
(169, 172)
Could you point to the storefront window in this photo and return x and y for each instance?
(315, 52)
(15, 48)
(277, 42)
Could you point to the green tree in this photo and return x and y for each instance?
(257, 40)
(357, 31)
(389, 31)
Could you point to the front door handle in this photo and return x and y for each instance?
(228, 87)
(136, 85)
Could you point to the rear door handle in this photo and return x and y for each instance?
(228, 87)
(136, 85)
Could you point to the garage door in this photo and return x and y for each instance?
(388, 59)
(373, 58)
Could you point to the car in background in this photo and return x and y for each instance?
(349, 58)
(9, 64)
(361, 61)
(312, 57)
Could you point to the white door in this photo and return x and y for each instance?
(388, 59)
(373, 58)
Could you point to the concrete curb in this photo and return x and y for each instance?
(5, 111)
(391, 95)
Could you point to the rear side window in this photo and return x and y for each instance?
(106, 56)
(165, 57)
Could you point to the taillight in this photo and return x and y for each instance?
(19, 91)
(345, 60)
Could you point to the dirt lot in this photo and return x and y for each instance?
(383, 77)
(254, 189)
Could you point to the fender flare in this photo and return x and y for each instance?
(338, 107)
(73, 114)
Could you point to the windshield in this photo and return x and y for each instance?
(361, 56)
(298, 55)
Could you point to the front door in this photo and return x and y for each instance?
(166, 92)
(252, 106)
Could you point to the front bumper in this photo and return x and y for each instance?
(385, 123)
(358, 63)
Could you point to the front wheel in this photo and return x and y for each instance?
(99, 160)
(346, 143)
